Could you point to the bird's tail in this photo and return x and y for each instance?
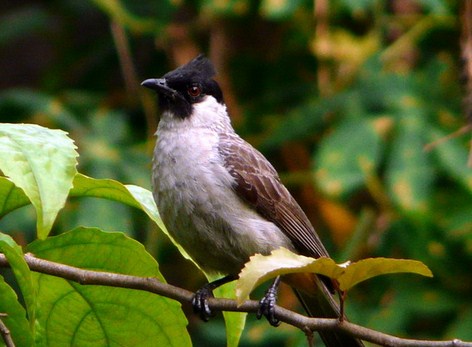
(319, 302)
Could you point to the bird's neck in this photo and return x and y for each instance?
(207, 114)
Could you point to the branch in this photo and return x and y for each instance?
(6, 336)
(153, 285)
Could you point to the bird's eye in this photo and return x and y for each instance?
(194, 90)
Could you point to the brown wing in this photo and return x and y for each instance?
(259, 185)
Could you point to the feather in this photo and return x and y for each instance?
(258, 184)
(199, 68)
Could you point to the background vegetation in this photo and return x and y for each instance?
(347, 98)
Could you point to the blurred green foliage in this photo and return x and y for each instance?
(342, 96)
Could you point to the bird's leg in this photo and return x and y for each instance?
(268, 302)
(200, 300)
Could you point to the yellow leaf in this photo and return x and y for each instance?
(261, 268)
(367, 268)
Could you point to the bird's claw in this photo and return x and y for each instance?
(200, 303)
(267, 306)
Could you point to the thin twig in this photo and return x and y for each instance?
(5, 332)
(463, 130)
(466, 48)
(131, 78)
(124, 55)
(416, 32)
(153, 285)
(321, 15)
(309, 336)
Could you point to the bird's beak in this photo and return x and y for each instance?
(162, 88)
(158, 84)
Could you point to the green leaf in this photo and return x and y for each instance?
(279, 9)
(260, 268)
(436, 7)
(137, 197)
(409, 172)
(453, 157)
(234, 321)
(81, 315)
(347, 157)
(11, 197)
(358, 6)
(127, 194)
(42, 162)
(15, 319)
(15, 257)
(304, 120)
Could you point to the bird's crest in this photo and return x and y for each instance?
(199, 67)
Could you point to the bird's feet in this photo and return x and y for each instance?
(200, 303)
(200, 300)
(268, 302)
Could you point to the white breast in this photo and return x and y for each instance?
(194, 195)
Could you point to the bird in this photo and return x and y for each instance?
(223, 201)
